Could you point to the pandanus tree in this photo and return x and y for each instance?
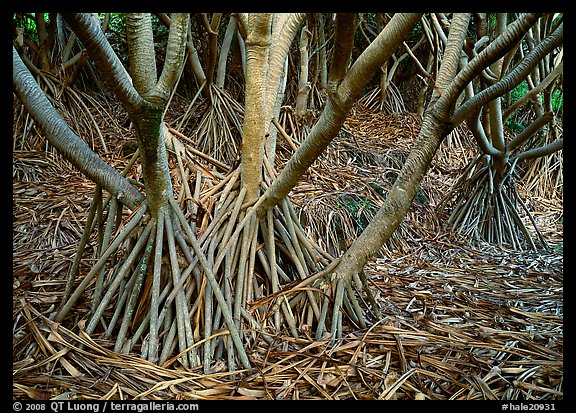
(196, 288)
(486, 198)
(144, 95)
(165, 285)
(544, 174)
(60, 66)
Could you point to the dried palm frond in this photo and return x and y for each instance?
(459, 321)
(455, 151)
(544, 176)
(85, 113)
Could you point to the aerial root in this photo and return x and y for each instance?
(177, 288)
(488, 211)
(218, 130)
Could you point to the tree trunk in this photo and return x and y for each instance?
(257, 53)
(323, 62)
(141, 51)
(486, 200)
(155, 172)
(303, 84)
(398, 199)
(344, 88)
(212, 29)
(143, 95)
(66, 141)
(147, 116)
(400, 196)
(224, 50)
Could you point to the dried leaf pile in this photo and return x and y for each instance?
(459, 322)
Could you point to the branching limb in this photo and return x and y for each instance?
(66, 141)
(512, 79)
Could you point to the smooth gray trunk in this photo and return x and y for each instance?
(70, 145)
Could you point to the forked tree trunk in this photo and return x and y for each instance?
(147, 115)
(344, 87)
(486, 200)
(145, 101)
(220, 278)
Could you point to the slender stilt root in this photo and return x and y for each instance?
(198, 283)
(487, 211)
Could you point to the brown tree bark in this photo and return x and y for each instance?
(143, 94)
(258, 42)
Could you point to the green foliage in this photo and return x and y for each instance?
(557, 100)
(522, 89)
(353, 202)
(160, 33)
(420, 197)
(519, 91)
(116, 23)
(415, 34)
(28, 23)
(357, 206)
(559, 248)
(512, 124)
(116, 35)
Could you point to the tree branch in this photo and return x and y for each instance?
(140, 40)
(529, 131)
(175, 51)
(338, 106)
(242, 21)
(475, 125)
(500, 46)
(66, 141)
(288, 28)
(512, 79)
(451, 57)
(545, 150)
(400, 196)
(91, 35)
(558, 70)
(343, 44)
(258, 44)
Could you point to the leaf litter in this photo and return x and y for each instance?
(459, 321)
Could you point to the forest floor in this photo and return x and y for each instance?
(460, 320)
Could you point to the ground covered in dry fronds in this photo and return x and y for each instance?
(459, 321)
